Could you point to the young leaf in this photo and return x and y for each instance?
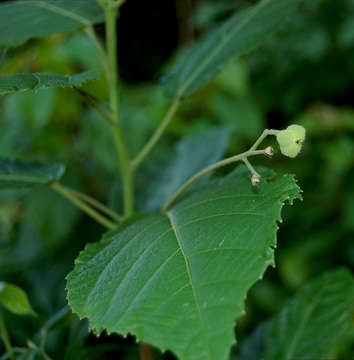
(55, 320)
(23, 20)
(237, 36)
(30, 354)
(190, 155)
(19, 173)
(178, 280)
(309, 325)
(15, 299)
(24, 82)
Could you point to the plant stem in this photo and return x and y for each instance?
(91, 102)
(157, 134)
(206, 170)
(250, 167)
(119, 3)
(102, 2)
(96, 204)
(265, 133)
(68, 194)
(111, 8)
(126, 171)
(145, 352)
(240, 157)
(4, 335)
(101, 52)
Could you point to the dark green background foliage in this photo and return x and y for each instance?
(303, 74)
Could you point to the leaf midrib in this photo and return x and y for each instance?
(24, 178)
(116, 255)
(57, 10)
(200, 315)
(204, 63)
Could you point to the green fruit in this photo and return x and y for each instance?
(291, 139)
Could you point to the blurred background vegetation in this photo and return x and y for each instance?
(302, 74)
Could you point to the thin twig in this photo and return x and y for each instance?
(240, 157)
(208, 169)
(101, 52)
(157, 134)
(5, 336)
(91, 101)
(265, 133)
(96, 204)
(250, 167)
(67, 193)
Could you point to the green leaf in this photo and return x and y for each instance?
(8, 354)
(253, 347)
(24, 82)
(19, 173)
(23, 20)
(237, 36)
(167, 173)
(30, 354)
(178, 280)
(36, 107)
(4, 336)
(309, 324)
(55, 320)
(15, 299)
(21, 354)
(49, 207)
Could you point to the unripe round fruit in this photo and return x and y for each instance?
(291, 139)
(255, 180)
(269, 151)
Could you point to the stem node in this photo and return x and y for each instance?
(240, 157)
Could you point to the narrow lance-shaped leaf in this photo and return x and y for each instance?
(309, 324)
(35, 81)
(237, 36)
(178, 280)
(19, 173)
(23, 20)
(15, 299)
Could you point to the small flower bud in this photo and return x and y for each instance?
(255, 180)
(269, 151)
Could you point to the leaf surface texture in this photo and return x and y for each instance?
(237, 36)
(309, 325)
(20, 173)
(23, 20)
(178, 280)
(24, 82)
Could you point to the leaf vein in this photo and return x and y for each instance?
(123, 281)
(114, 258)
(227, 38)
(166, 301)
(218, 215)
(224, 249)
(201, 319)
(59, 11)
(216, 199)
(137, 296)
